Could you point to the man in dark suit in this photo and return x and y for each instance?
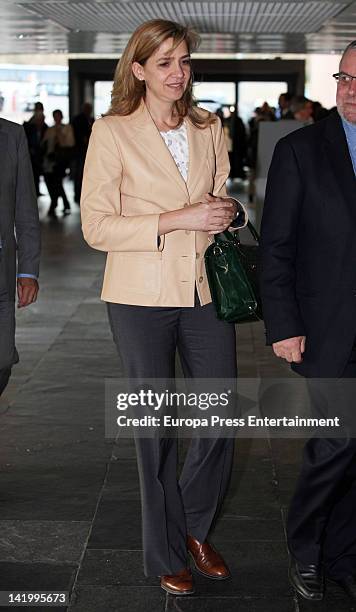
(19, 212)
(35, 130)
(82, 125)
(284, 102)
(308, 284)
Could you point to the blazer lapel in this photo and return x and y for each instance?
(340, 161)
(198, 141)
(149, 138)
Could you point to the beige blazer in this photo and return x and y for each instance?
(130, 178)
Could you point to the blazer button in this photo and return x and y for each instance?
(197, 255)
(187, 232)
(185, 205)
(201, 279)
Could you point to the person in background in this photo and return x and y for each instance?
(266, 113)
(284, 102)
(308, 287)
(239, 138)
(20, 240)
(226, 121)
(57, 143)
(35, 129)
(302, 109)
(261, 113)
(82, 125)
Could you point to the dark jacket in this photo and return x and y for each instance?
(308, 246)
(82, 126)
(18, 207)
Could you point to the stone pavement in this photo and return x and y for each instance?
(70, 510)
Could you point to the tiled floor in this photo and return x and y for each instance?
(70, 510)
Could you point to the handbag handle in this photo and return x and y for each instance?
(227, 236)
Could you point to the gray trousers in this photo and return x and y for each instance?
(147, 339)
(8, 353)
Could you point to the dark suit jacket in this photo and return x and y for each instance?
(308, 246)
(34, 138)
(18, 207)
(82, 126)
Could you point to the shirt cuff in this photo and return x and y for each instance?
(241, 218)
(27, 276)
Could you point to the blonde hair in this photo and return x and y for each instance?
(128, 91)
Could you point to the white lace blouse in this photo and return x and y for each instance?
(177, 143)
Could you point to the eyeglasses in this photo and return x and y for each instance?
(343, 78)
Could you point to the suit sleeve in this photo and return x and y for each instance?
(104, 226)
(27, 225)
(279, 237)
(222, 170)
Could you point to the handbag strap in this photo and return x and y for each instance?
(254, 233)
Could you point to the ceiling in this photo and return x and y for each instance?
(103, 27)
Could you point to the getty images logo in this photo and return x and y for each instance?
(147, 398)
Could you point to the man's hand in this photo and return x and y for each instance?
(290, 349)
(27, 289)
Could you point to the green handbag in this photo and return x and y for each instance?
(232, 273)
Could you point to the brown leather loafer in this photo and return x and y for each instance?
(207, 560)
(178, 584)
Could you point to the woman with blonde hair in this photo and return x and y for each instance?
(153, 193)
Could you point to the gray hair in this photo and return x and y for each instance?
(350, 47)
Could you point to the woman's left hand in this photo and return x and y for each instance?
(210, 198)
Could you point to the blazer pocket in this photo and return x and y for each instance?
(141, 273)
